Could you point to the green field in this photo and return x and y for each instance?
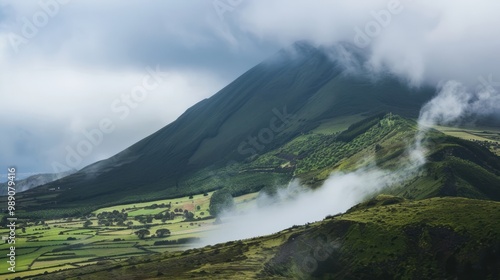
(486, 136)
(45, 246)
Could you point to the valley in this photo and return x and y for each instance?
(59, 244)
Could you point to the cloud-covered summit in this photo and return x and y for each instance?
(72, 59)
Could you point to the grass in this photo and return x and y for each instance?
(487, 136)
(335, 125)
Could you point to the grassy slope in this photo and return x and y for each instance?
(455, 167)
(387, 238)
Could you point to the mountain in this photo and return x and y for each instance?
(384, 238)
(293, 92)
(306, 113)
(35, 181)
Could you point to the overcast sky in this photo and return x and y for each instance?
(66, 66)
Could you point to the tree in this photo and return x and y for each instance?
(162, 232)
(220, 201)
(142, 233)
(158, 216)
(87, 224)
(189, 215)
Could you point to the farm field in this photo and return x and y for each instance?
(109, 234)
(488, 137)
(336, 125)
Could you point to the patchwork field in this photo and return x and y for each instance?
(488, 137)
(53, 245)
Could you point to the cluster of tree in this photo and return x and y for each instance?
(155, 205)
(162, 232)
(359, 128)
(42, 228)
(87, 224)
(164, 216)
(187, 215)
(178, 241)
(142, 233)
(221, 201)
(144, 219)
(109, 218)
(488, 144)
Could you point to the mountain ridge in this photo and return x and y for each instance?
(34, 181)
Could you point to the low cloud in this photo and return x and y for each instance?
(51, 110)
(296, 204)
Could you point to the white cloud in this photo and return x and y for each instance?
(90, 52)
(426, 41)
(68, 100)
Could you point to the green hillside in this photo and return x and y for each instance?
(385, 238)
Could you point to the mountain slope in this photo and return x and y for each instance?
(307, 84)
(454, 167)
